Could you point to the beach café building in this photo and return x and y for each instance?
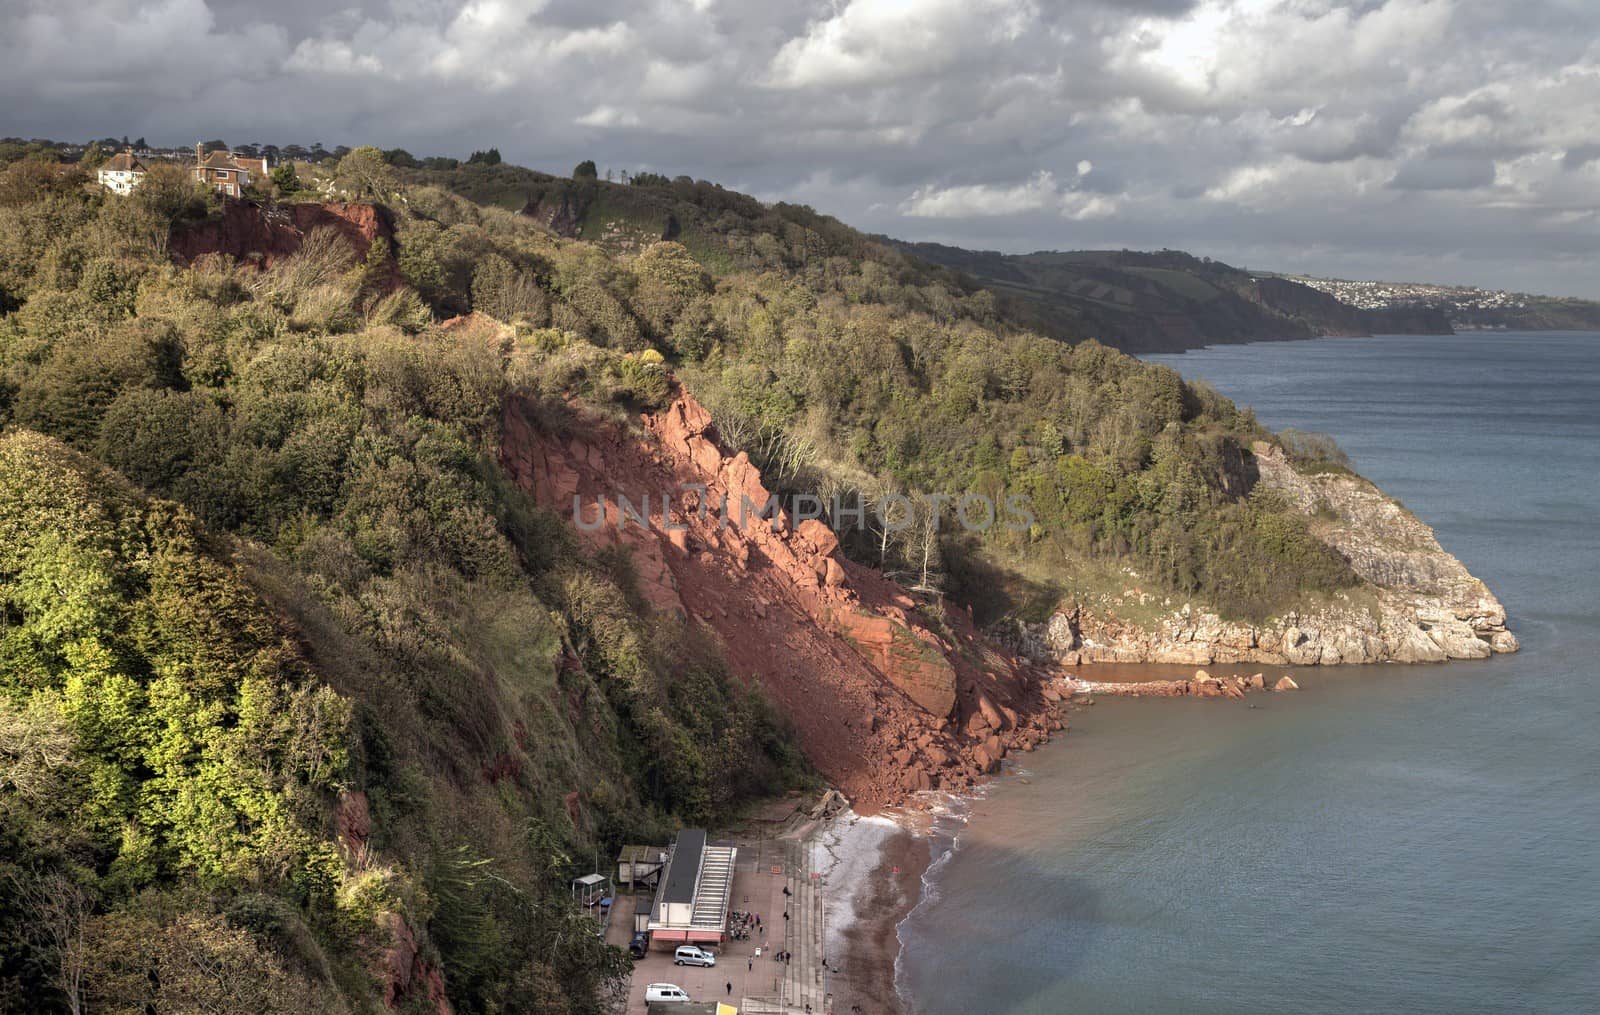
(691, 902)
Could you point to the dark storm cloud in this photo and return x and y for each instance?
(1580, 156)
(1437, 139)
(1444, 172)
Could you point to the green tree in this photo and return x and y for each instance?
(145, 958)
(285, 178)
(26, 181)
(363, 174)
(507, 293)
(585, 170)
(58, 911)
(172, 194)
(425, 262)
(669, 278)
(75, 387)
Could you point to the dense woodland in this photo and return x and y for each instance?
(257, 560)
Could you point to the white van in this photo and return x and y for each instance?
(665, 992)
(689, 955)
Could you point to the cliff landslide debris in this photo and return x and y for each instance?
(888, 697)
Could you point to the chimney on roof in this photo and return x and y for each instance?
(199, 153)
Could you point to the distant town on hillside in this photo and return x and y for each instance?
(1468, 307)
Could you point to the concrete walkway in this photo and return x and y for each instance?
(805, 983)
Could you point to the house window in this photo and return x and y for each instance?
(222, 174)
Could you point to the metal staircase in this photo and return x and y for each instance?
(712, 890)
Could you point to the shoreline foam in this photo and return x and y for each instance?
(845, 852)
(945, 824)
(879, 871)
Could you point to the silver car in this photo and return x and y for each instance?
(689, 955)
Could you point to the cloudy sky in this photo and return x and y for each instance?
(1431, 140)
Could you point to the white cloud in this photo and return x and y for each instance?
(330, 56)
(1244, 183)
(1081, 207)
(1282, 54)
(609, 116)
(1431, 171)
(1040, 192)
(121, 42)
(877, 41)
(983, 199)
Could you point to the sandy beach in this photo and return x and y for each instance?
(871, 945)
(872, 868)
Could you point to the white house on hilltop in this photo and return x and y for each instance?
(122, 172)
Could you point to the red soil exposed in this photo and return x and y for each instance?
(888, 699)
(408, 976)
(263, 234)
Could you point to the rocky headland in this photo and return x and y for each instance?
(1417, 603)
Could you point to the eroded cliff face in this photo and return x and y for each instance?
(1419, 603)
(889, 697)
(263, 234)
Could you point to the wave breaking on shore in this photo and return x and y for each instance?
(878, 872)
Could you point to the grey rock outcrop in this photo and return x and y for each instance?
(1417, 602)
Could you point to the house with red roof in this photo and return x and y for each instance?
(226, 173)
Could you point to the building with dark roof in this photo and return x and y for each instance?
(691, 902)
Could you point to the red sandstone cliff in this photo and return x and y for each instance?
(887, 700)
(264, 233)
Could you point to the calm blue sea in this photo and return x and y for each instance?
(1390, 839)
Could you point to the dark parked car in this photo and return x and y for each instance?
(640, 944)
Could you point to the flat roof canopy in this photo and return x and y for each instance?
(683, 869)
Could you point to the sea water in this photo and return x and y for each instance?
(1390, 838)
